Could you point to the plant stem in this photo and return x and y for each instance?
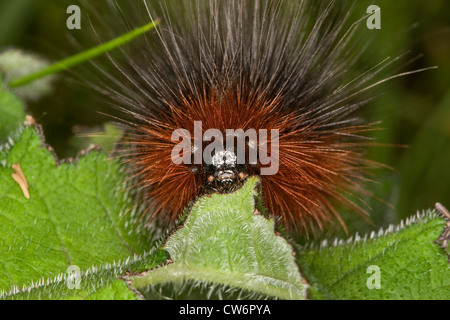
(83, 56)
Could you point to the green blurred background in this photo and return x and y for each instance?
(414, 110)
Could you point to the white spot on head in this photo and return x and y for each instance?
(224, 158)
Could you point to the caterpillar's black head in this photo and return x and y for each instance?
(224, 174)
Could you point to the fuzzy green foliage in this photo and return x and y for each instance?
(74, 216)
(77, 214)
(411, 265)
(96, 283)
(224, 241)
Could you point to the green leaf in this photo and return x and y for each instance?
(117, 290)
(96, 283)
(411, 264)
(76, 214)
(69, 214)
(11, 111)
(224, 242)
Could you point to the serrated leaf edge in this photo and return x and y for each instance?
(118, 267)
(423, 216)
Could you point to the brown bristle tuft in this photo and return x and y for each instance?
(250, 65)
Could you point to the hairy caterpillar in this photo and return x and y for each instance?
(249, 65)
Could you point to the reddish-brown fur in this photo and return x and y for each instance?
(317, 168)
